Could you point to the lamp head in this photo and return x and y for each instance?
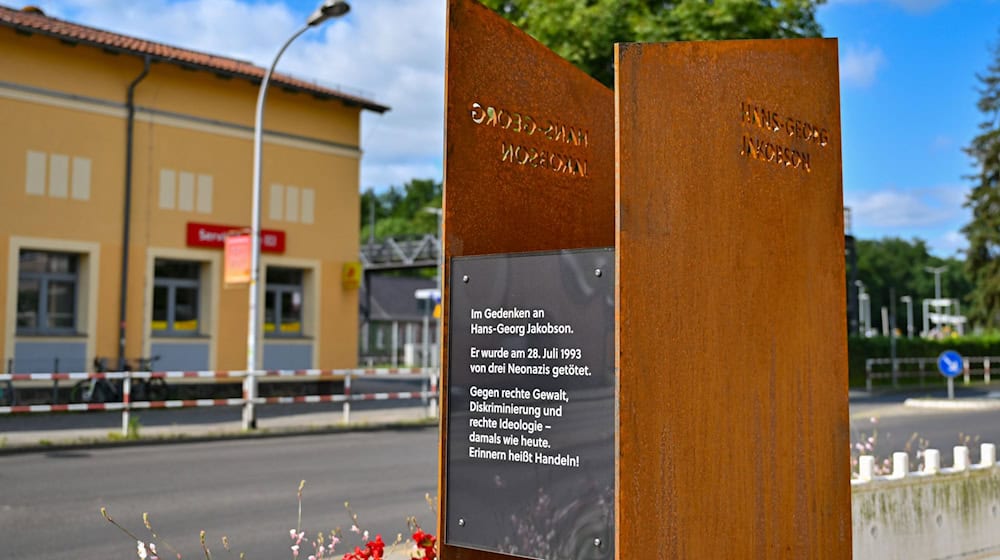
(329, 9)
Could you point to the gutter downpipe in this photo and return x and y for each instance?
(127, 221)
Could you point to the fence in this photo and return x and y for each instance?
(250, 380)
(933, 512)
(887, 368)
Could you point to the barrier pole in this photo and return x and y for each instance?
(126, 400)
(249, 395)
(986, 370)
(432, 410)
(425, 385)
(966, 373)
(347, 399)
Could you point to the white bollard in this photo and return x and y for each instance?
(866, 467)
(900, 464)
(961, 458)
(988, 454)
(932, 461)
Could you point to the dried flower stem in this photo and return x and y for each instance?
(109, 519)
(204, 546)
(298, 524)
(149, 527)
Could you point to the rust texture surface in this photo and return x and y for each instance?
(529, 159)
(732, 358)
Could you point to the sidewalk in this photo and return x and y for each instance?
(26, 432)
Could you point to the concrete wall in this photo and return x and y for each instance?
(932, 513)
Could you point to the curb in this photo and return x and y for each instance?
(173, 438)
(954, 404)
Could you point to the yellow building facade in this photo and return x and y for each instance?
(165, 171)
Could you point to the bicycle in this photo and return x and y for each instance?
(99, 390)
(7, 396)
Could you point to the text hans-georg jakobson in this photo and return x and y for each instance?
(515, 423)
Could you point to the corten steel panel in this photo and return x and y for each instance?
(521, 204)
(733, 428)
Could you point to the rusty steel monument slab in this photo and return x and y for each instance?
(731, 307)
(714, 172)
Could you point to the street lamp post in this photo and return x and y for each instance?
(327, 10)
(936, 271)
(440, 268)
(909, 315)
(862, 328)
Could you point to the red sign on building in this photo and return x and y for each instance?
(214, 235)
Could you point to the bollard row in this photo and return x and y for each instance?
(931, 466)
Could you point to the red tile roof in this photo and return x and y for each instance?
(31, 20)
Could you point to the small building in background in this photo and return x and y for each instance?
(395, 322)
(114, 142)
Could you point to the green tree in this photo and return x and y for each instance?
(585, 31)
(896, 264)
(983, 232)
(401, 211)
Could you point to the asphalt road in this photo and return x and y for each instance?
(897, 425)
(245, 489)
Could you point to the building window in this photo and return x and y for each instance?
(283, 302)
(46, 292)
(176, 287)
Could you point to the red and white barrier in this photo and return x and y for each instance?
(127, 405)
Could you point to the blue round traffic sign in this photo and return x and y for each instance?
(950, 363)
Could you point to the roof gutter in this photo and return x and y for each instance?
(127, 221)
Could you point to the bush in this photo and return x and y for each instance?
(860, 349)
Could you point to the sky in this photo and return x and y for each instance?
(908, 87)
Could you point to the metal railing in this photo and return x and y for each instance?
(428, 393)
(922, 368)
(401, 252)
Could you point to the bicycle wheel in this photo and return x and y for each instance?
(6, 393)
(80, 391)
(104, 392)
(156, 389)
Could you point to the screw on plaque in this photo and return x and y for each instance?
(598, 272)
(461, 522)
(465, 279)
(597, 543)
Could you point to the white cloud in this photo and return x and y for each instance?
(912, 6)
(919, 6)
(890, 209)
(933, 214)
(390, 50)
(942, 143)
(859, 65)
(951, 243)
(914, 208)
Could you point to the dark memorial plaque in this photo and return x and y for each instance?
(529, 168)
(531, 420)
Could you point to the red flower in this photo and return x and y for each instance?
(372, 551)
(376, 548)
(358, 554)
(425, 542)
